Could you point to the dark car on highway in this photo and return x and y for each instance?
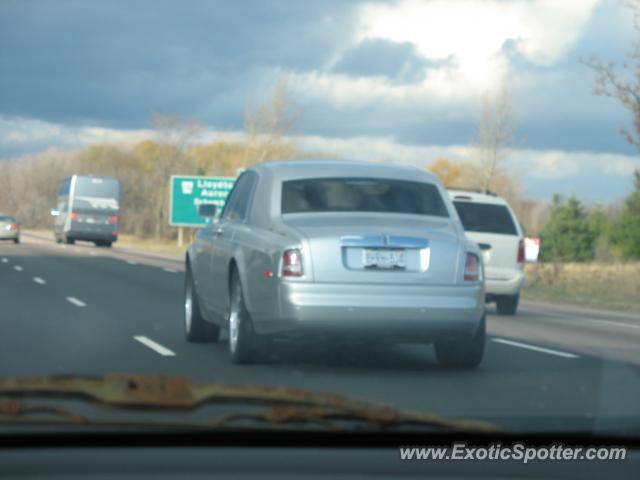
(9, 228)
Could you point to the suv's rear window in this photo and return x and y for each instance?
(361, 195)
(7, 219)
(486, 218)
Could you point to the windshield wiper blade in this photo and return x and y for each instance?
(286, 405)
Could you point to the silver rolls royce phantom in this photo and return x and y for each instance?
(336, 249)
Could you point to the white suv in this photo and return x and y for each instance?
(489, 221)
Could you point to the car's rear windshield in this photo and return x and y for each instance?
(362, 195)
(486, 218)
(4, 218)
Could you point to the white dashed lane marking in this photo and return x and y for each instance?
(39, 280)
(76, 302)
(170, 270)
(535, 348)
(18, 268)
(5, 260)
(165, 352)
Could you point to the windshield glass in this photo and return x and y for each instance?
(486, 218)
(336, 141)
(361, 195)
(97, 187)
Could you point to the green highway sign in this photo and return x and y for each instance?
(188, 192)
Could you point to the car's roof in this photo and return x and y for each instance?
(292, 169)
(473, 196)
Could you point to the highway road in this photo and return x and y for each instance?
(82, 310)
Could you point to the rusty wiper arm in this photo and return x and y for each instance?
(146, 392)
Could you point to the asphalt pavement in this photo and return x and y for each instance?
(82, 310)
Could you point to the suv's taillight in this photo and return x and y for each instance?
(75, 215)
(521, 257)
(292, 263)
(471, 268)
(113, 219)
(15, 226)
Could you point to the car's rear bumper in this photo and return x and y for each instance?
(507, 286)
(100, 233)
(9, 235)
(394, 313)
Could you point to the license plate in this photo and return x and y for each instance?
(91, 220)
(384, 258)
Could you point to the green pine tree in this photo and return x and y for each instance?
(626, 232)
(568, 237)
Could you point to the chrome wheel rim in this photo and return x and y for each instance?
(188, 307)
(234, 322)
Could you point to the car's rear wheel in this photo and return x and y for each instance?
(16, 240)
(463, 352)
(243, 341)
(68, 240)
(196, 328)
(507, 304)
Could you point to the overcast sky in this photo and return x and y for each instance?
(396, 81)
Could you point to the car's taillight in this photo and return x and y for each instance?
(75, 215)
(15, 226)
(521, 256)
(471, 268)
(113, 219)
(292, 263)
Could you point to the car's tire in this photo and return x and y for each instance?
(243, 341)
(463, 353)
(507, 304)
(69, 241)
(16, 240)
(58, 239)
(196, 328)
(102, 243)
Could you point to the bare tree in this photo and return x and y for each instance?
(623, 83)
(269, 123)
(494, 133)
(174, 134)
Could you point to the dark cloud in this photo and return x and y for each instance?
(116, 62)
(398, 62)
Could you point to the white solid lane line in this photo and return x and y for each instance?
(76, 302)
(535, 348)
(39, 280)
(616, 324)
(5, 260)
(18, 268)
(170, 270)
(165, 352)
(132, 262)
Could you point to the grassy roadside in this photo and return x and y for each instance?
(130, 241)
(151, 245)
(614, 286)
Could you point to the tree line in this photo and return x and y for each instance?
(574, 234)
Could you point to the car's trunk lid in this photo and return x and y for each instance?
(374, 248)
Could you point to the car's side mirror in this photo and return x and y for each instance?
(207, 210)
(54, 212)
